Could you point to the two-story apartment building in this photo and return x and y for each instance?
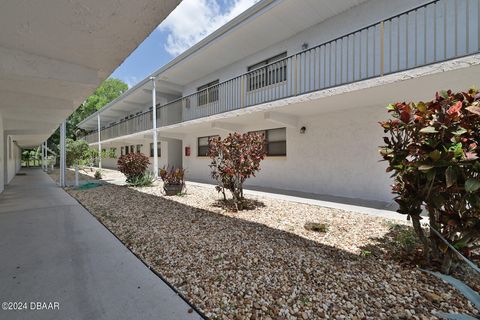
(313, 75)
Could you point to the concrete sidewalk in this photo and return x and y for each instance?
(53, 251)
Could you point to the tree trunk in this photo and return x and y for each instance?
(421, 235)
(434, 239)
(447, 262)
(224, 195)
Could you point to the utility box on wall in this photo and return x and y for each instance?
(187, 151)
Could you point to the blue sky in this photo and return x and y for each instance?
(190, 22)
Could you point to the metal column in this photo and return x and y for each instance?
(62, 154)
(43, 156)
(154, 128)
(99, 143)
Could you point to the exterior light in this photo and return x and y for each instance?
(303, 129)
(304, 46)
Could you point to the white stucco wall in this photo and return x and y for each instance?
(12, 158)
(2, 155)
(351, 20)
(163, 160)
(338, 155)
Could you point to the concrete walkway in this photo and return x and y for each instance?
(53, 251)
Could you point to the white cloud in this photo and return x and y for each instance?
(130, 81)
(193, 20)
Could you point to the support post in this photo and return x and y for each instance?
(62, 155)
(99, 143)
(154, 128)
(43, 156)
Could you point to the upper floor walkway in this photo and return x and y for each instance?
(435, 32)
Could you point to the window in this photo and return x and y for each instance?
(267, 72)
(132, 149)
(139, 148)
(207, 93)
(126, 149)
(159, 150)
(275, 141)
(203, 145)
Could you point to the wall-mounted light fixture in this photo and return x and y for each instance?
(304, 46)
(303, 129)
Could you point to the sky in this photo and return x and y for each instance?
(189, 23)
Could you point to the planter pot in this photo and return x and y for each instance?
(172, 189)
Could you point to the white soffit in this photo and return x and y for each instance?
(54, 53)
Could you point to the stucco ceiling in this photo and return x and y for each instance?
(54, 53)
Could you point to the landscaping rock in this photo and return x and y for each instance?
(263, 263)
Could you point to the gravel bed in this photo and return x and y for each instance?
(263, 263)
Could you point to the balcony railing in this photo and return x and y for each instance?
(438, 31)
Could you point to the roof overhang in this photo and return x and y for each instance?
(259, 27)
(53, 54)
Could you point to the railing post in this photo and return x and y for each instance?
(99, 143)
(154, 129)
(295, 76)
(382, 48)
(242, 92)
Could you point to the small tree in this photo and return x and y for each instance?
(133, 165)
(235, 159)
(432, 149)
(76, 151)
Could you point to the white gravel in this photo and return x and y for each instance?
(263, 263)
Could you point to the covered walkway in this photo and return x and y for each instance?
(53, 250)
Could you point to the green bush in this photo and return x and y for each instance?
(432, 149)
(144, 180)
(316, 226)
(76, 151)
(98, 174)
(405, 238)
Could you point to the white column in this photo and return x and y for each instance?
(99, 143)
(154, 128)
(43, 156)
(62, 154)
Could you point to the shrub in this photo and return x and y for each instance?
(133, 165)
(235, 159)
(75, 151)
(146, 179)
(98, 174)
(432, 150)
(173, 176)
(405, 238)
(316, 227)
(91, 156)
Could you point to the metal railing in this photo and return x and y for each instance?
(438, 31)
